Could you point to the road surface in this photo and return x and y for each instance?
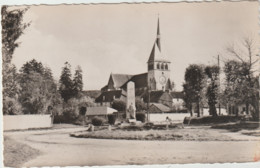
(59, 149)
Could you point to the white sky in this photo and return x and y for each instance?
(118, 38)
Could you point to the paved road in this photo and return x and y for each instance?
(59, 149)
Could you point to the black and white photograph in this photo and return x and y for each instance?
(111, 84)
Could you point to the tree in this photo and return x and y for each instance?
(242, 80)
(32, 66)
(119, 105)
(193, 86)
(12, 28)
(77, 82)
(71, 109)
(212, 72)
(140, 105)
(38, 90)
(66, 83)
(239, 89)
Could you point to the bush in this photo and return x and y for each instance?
(111, 119)
(140, 116)
(119, 105)
(140, 105)
(211, 119)
(97, 121)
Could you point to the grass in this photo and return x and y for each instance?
(175, 134)
(235, 127)
(15, 154)
(207, 120)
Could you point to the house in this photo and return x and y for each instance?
(178, 101)
(107, 97)
(91, 93)
(101, 111)
(160, 96)
(158, 108)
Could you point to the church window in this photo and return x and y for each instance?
(158, 65)
(166, 66)
(162, 66)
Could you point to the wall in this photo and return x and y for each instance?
(206, 111)
(18, 122)
(175, 117)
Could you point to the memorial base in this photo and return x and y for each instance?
(132, 120)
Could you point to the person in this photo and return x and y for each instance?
(168, 119)
(131, 111)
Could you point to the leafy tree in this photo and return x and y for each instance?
(212, 72)
(77, 81)
(12, 29)
(193, 86)
(32, 66)
(71, 109)
(239, 89)
(140, 105)
(66, 83)
(245, 82)
(119, 105)
(38, 90)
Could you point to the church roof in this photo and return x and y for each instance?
(140, 81)
(120, 79)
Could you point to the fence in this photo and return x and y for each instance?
(20, 122)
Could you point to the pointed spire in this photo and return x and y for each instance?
(158, 39)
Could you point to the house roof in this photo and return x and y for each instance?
(109, 96)
(155, 95)
(99, 111)
(91, 93)
(177, 95)
(161, 107)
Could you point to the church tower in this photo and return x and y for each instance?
(158, 67)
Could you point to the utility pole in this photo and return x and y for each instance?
(219, 106)
(148, 102)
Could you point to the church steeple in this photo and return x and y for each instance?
(156, 53)
(158, 65)
(158, 39)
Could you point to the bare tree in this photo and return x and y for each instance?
(244, 52)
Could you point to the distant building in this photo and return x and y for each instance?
(178, 101)
(157, 80)
(100, 111)
(159, 108)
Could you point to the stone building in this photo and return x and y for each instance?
(156, 79)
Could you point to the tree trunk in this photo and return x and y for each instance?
(198, 109)
(190, 109)
(247, 108)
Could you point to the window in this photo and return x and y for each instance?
(158, 66)
(162, 66)
(166, 66)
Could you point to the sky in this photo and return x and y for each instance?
(118, 38)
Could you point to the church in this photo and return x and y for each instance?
(157, 80)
